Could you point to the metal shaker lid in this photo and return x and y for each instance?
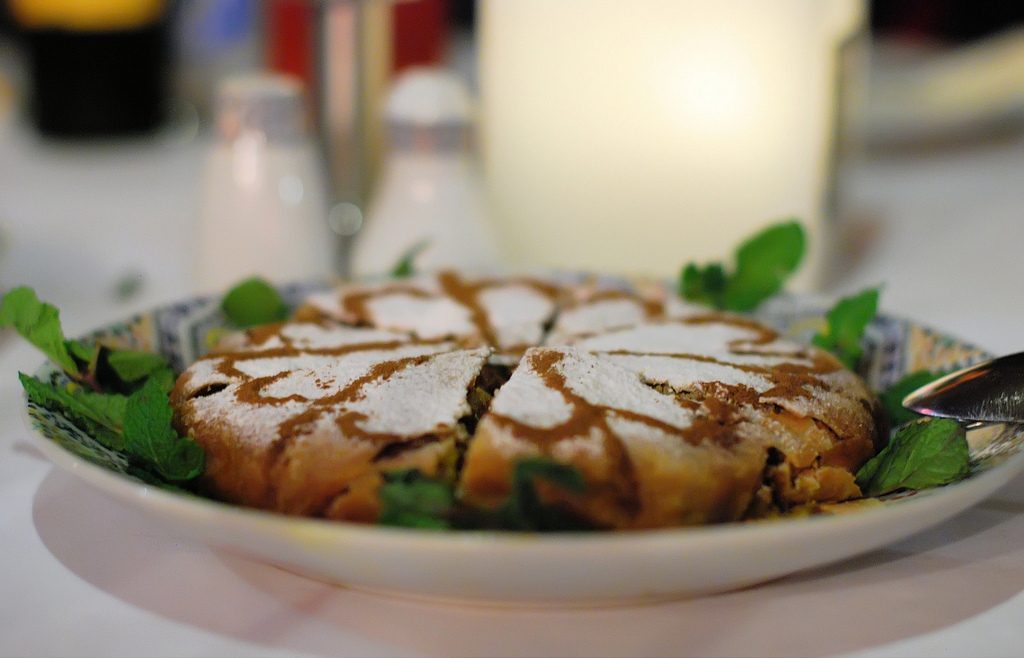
(429, 96)
(266, 104)
(429, 109)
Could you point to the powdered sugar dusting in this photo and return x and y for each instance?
(516, 313)
(203, 373)
(528, 399)
(722, 341)
(313, 376)
(428, 318)
(276, 365)
(409, 389)
(603, 383)
(310, 335)
(328, 303)
(596, 316)
(677, 307)
(683, 374)
(589, 446)
(258, 423)
(670, 338)
(421, 398)
(333, 303)
(777, 346)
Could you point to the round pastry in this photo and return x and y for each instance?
(673, 415)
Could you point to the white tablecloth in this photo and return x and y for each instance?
(83, 575)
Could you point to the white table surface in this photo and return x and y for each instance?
(83, 575)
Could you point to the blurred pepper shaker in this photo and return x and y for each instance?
(264, 207)
(97, 68)
(430, 192)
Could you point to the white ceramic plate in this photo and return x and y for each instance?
(553, 568)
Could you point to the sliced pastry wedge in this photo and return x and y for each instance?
(303, 418)
(684, 421)
(649, 459)
(819, 419)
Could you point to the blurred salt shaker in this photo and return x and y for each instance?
(264, 203)
(430, 191)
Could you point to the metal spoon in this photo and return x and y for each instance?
(991, 391)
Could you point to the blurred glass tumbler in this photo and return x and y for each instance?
(98, 69)
(264, 206)
(634, 136)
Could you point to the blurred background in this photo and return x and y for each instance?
(150, 149)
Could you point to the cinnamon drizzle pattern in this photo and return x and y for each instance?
(356, 305)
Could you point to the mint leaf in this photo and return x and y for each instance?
(868, 472)
(410, 499)
(892, 397)
(845, 326)
(149, 436)
(927, 453)
(404, 267)
(101, 415)
(39, 324)
(763, 263)
(163, 380)
(524, 510)
(253, 302)
(131, 366)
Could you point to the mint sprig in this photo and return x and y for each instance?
(927, 453)
(95, 366)
(410, 499)
(846, 323)
(763, 263)
(119, 397)
(253, 302)
(138, 426)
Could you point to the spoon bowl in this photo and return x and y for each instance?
(991, 391)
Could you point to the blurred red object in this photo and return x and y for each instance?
(290, 37)
(419, 33)
(419, 30)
